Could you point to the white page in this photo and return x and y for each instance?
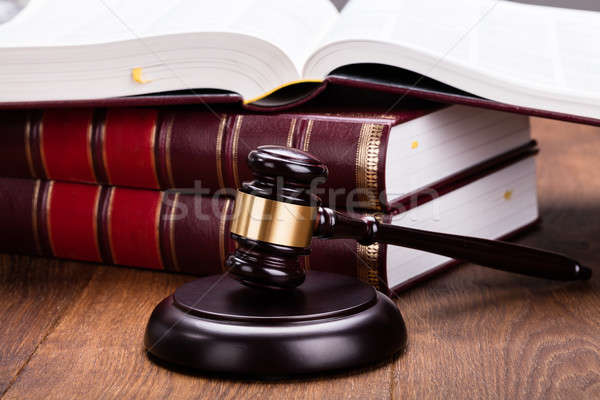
(76, 22)
(294, 26)
(479, 209)
(552, 49)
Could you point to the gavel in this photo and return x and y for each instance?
(276, 215)
(281, 321)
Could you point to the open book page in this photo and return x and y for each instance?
(80, 22)
(90, 47)
(491, 48)
(295, 26)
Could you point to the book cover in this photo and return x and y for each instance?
(374, 159)
(183, 232)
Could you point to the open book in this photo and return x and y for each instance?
(525, 55)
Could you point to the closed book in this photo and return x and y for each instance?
(374, 159)
(175, 231)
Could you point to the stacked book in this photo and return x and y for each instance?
(418, 110)
(152, 187)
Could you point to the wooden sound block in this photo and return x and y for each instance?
(330, 322)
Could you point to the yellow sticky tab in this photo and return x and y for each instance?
(136, 74)
(414, 145)
(508, 194)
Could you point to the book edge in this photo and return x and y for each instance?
(414, 281)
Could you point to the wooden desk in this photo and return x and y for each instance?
(75, 330)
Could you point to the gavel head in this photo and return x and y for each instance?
(274, 217)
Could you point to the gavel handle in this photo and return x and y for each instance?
(489, 253)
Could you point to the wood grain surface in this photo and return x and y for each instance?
(74, 330)
(34, 295)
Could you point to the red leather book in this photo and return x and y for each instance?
(141, 228)
(174, 231)
(375, 158)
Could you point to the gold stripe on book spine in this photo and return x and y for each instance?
(290, 137)
(42, 150)
(219, 152)
(34, 216)
(95, 223)
(49, 192)
(111, 196)
(168, 128)
(28, 146)
(89, 145)
(367, 160)
(309, 129)
(172, 232)
(153, 134)
(157, 213)
(103, 148)
(222, 233)
(234, 150)
(366, 264)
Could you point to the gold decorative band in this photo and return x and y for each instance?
(367, 161)
(273, 221)
(367, 270)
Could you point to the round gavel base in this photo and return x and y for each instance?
(330, 322)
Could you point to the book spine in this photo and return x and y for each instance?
(162, 148)
(162, 230)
